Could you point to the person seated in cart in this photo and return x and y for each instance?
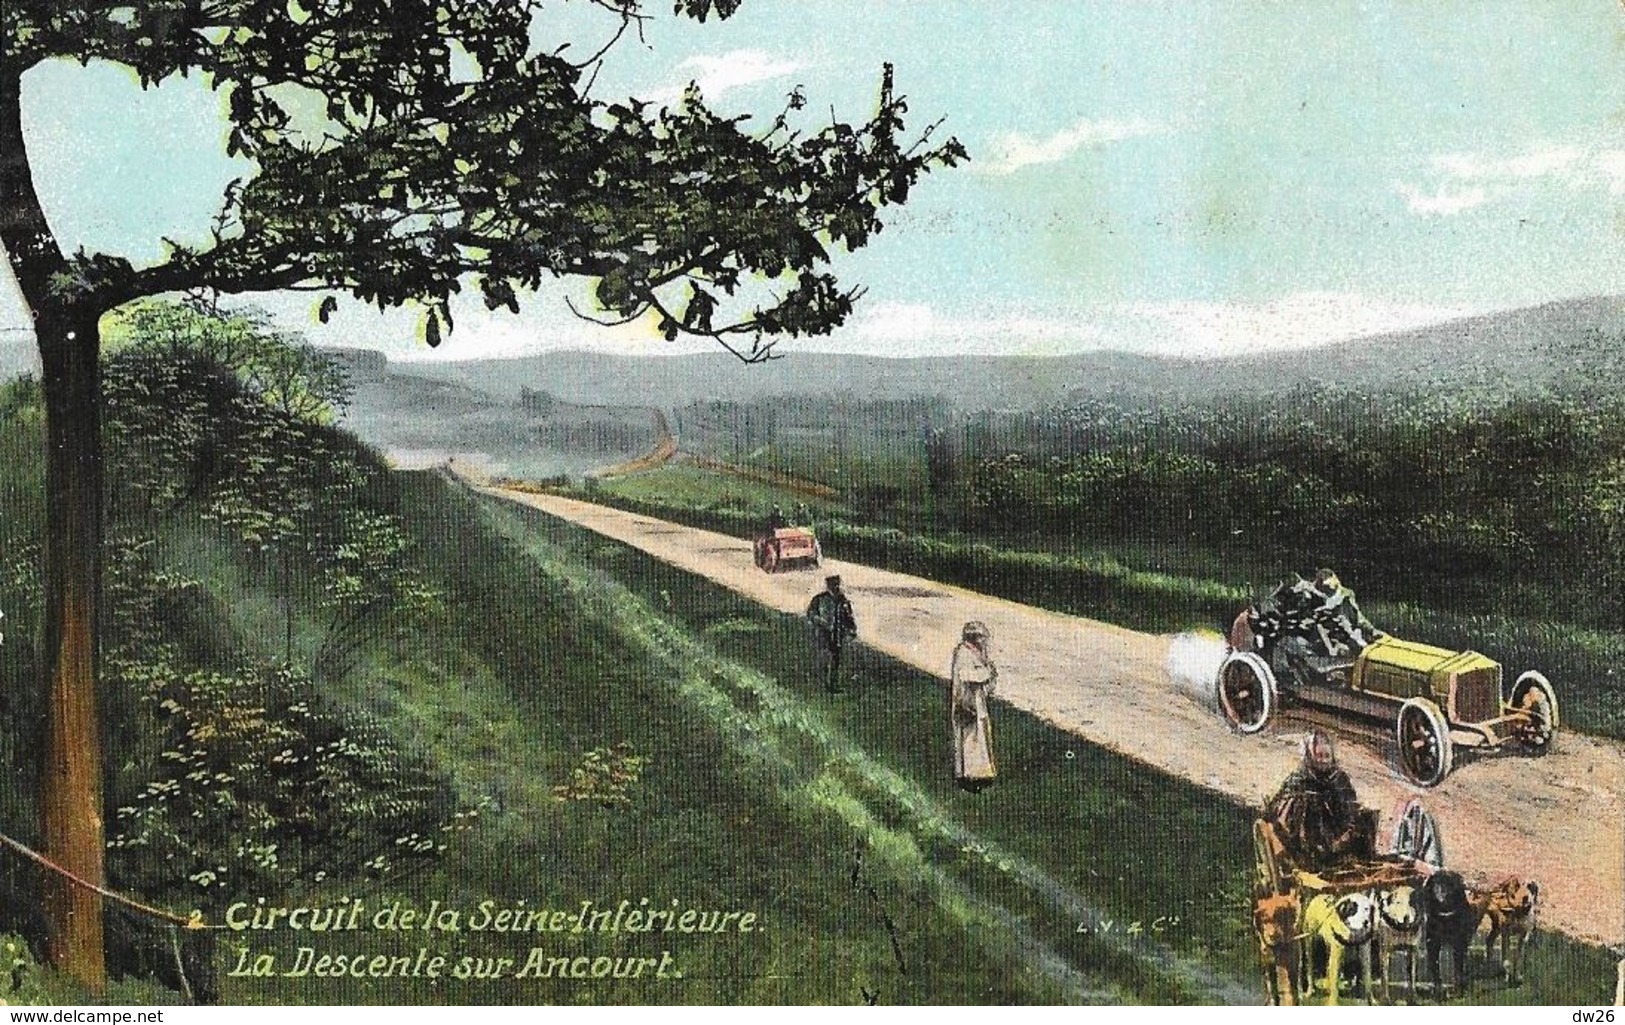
(1317, 814)
(776, 521)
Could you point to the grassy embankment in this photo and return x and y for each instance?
(873, 878)
(747, 796)
(1108, 582)
(1071, 835)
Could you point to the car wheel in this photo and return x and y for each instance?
(1533, 695)
(770, 557)
(1246, 691)
(1424, 742)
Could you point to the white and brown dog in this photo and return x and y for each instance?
(1399, 931)
(1339, 924)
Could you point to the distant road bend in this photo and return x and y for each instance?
(1559, 819)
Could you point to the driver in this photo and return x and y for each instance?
(1317, 812)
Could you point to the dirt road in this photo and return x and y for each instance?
(1558, 819)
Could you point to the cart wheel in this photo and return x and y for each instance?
(1246, 691)
(1424, 742)
(770, 557)
(756, 548)
(1533, 695)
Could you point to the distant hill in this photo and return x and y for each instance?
(419, 421)
(1571, 345)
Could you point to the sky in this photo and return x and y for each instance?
(1188, 178)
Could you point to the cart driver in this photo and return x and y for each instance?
(1318, 815)
(776, 521)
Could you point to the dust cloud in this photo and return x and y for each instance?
(1193, 662)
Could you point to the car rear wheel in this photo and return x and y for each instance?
(1424, 742)
(770, 556)
(1533, 695)
(1246, 692)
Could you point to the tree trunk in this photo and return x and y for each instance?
(71, 825)
(65, 327)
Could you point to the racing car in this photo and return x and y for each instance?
(1435, 699)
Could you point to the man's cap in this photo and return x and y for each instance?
(833, 580)
(975, 628)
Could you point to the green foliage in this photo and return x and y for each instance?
(368, 573)
(20, 975)
(402, 146)
(260, 783)
(1425, 497)
(230, 774)
(212, 413)
(605, 777)
(242, 778)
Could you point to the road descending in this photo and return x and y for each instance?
(1559, 819)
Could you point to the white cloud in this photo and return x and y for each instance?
(1461, 181)
(1610, 166)
(716, 74)
(1443, 203)
(916, 329)
(1013, 151)
(1538, 162)
(1184, 328)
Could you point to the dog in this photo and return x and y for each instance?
(1275, 924)
(1510, 910)
(1339, 924)
(1399, 926)
(1451, 913)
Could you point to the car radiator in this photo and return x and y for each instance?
(1477, 696)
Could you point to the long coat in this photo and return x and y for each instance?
(974, 676)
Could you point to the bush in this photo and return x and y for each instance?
(259, 783)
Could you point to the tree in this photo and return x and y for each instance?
(403, 148)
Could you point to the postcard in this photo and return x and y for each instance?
(734, 502)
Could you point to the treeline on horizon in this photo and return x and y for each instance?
(1457, 497)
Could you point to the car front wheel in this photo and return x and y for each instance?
(1424, 742)
(1534, 697)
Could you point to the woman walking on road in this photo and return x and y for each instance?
(973, 680)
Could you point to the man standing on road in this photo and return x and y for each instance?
(831, 624)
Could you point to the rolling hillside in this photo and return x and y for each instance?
(1567, 345)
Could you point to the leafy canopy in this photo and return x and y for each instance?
(403, 147)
